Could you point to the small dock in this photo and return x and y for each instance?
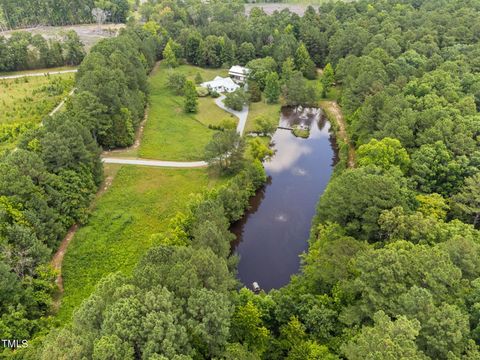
(284, 128)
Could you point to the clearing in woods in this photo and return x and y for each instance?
(170, 133)
(24, 102)
(132, 213)
(29, 99)
(139, 204)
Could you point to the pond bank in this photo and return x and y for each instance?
(275, 230)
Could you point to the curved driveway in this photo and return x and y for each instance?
(241, 115)
(242, 120)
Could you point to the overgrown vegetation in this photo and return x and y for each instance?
(48, 182)
(26, 101)
(127, 221)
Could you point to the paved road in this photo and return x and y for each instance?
(241, 115)
(5, 77)
(157, 163)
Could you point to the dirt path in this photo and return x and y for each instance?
(37, 74)
(139, 134)
(138, 138)
(57, 259)
(59, 106)
(335, 112)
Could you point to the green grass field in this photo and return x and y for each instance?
(270, 111)
(210, 114)
(30, 99)
(139, 203)
(170, 134)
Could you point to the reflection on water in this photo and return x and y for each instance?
(276, 228)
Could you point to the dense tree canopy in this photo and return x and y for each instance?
(392, 269)
(26, 13)
(24, 51)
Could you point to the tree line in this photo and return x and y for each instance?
(393, 256)
(24, 51)
(26, 13)
(392, 266)
(48, 182)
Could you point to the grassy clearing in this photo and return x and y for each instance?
(169, 133)
(334, 93)
(270, 111)
(139, 203)
(210, 114)
(123, 153)
(206, 74)
(30, 99)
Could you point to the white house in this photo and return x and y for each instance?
(238, 73)
(220, 84)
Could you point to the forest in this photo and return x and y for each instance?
(16, 14)
(24, 51)
(393, 265)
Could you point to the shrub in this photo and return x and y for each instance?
(201, 91)
(198, 78)
(176, 82)
(225, 124)
(214, 94)
(228, 123)
(235, 100)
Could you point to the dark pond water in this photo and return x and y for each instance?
(275, 230)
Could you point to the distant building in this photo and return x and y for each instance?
(238, 73)
(220, 85)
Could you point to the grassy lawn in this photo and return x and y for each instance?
(270, 111)
(169, 133)
(139, 203)
(210, 114)
(32, 98)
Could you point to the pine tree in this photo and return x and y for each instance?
(254, 91)
(288, 68)
(328, 78)
(304, 63)
(191, 97)
(169, 56)
(198, 78)
(272, 88)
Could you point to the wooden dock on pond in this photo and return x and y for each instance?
(284, 128)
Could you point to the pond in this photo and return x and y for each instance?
(275, 230)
